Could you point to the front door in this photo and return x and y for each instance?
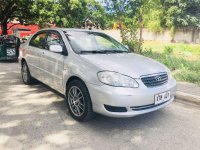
(34, 52)
(52, 64)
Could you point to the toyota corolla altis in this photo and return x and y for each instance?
(96, 73)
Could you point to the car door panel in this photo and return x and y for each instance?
(34, 54)
(52, 65)
(52, 69)
(33, 60)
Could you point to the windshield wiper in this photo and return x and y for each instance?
(93, 51)
(104, 51)
(116, 51)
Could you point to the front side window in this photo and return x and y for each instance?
(93, 42)
(39, 40)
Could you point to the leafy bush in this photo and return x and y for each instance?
(168, 50)
(129, 37)
(182, 69)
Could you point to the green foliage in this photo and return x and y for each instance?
(129, 34)
(172, 14)
(126, 13)
(96, 12)
(62, 13)
(183, 68)
(131, 15)
(11, 9)
(168, 50)
(181, 13)
(153, 20)
(45, 12)
(130, 39)
(69, 13)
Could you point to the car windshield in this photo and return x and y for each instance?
(93, 42)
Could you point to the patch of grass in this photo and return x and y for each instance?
(183, 60)
(168, 50)
(184, 50)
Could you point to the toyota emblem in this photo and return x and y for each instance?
(158, 78)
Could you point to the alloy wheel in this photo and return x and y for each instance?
(24, 72)
(76, 101)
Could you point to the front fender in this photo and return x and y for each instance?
(78, 67)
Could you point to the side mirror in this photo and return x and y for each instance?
(56, 48)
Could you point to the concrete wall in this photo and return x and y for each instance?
(181, 36)
(187, 36)
(151, 36)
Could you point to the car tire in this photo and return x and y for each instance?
(78, 101)
(25, 73)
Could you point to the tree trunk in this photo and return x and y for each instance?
(121, 31)
(140, 35)
(173, 32)
(140, 39)
(4, 27)
(193, 35)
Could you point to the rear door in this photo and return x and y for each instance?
(52, 63)
(34, 52)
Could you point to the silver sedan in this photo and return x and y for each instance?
(96, 73)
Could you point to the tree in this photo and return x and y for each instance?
(45, 12)
(96, 12)
(28, 12)
(145, 7)
(181, 14)
(129, 15)
(11, 9)
(75, 12)
(62, 13)
(153, 18)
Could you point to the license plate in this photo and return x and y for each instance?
(11, 52)
(162, 97)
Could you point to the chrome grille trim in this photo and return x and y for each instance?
(144, 107)
(155, 79)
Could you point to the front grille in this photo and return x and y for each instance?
(155, 79)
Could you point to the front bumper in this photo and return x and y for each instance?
(128, 98)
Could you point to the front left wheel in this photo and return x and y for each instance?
(78, 101)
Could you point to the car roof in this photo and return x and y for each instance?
(70, 29)
(80, 30)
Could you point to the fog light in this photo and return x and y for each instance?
(115, 109)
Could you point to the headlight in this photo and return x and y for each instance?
(117, 79)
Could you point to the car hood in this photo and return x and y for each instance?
(130, 64)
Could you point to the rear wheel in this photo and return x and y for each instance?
(26, 76)
(78, 101)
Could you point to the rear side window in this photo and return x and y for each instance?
(39, 40)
